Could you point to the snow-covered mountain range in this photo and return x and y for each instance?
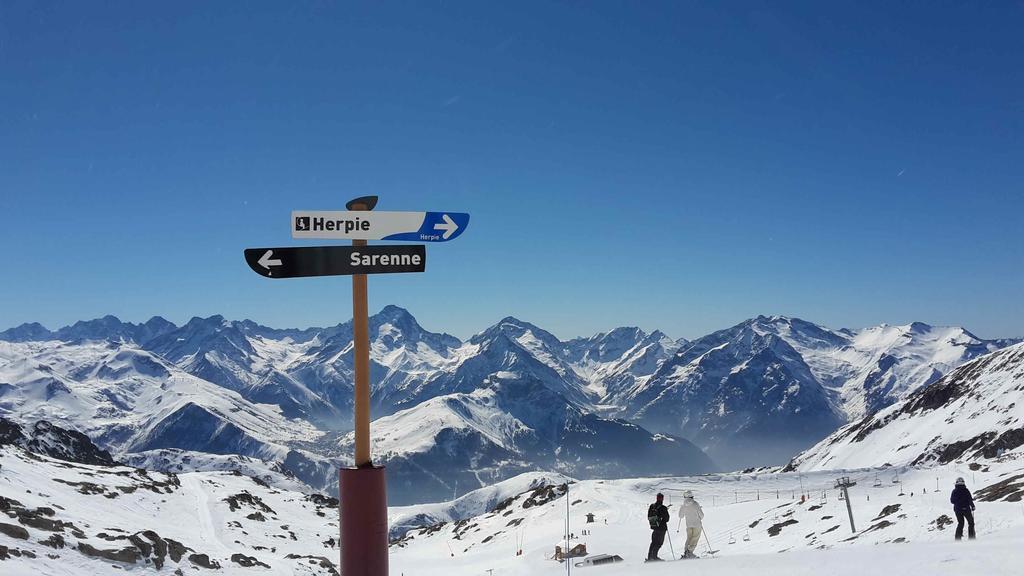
(131, 402)
(454, 415)
(975, 413)
(511, 424)
(770, 386)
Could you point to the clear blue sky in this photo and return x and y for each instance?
(680, 166)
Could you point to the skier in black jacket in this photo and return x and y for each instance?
(657, 516)
(963, 507)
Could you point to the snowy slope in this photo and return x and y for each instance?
(66, 518)
(402, 519)
(181, 461)
(749, 518)
(973, 413)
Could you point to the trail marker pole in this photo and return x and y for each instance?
(844, 483)
(362, 490)
(361, 345)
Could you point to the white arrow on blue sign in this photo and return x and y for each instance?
(367, 225)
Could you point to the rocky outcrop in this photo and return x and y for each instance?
(48, 440)
(247, 561)
(13, 531)
(203, 561)
(127, 555)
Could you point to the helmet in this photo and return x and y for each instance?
(960, 482)
(688, 494)
(660, 496)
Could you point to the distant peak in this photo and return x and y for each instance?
(510, 326)
(919, 327)
(32, 325)
(107, 320)
(216, 319)
(26, 332)
(392, 311)
(773, 319)
(510, 323)
(398, 317)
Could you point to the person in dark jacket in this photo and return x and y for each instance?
(657, 517)
(963, 507)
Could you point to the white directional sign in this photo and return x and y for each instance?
(366, 225)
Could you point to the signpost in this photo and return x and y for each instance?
(362, 490)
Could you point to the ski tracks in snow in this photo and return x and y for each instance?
(209, 534)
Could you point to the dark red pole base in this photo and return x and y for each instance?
(364, 521)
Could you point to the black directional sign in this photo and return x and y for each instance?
(336, 260)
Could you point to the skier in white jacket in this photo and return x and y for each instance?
(692, 512)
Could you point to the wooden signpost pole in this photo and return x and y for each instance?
(361, 350)
(362, 490)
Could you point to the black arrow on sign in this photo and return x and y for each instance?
(336, 260)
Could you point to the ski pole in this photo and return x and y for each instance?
(706, 540)
(670, 547)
